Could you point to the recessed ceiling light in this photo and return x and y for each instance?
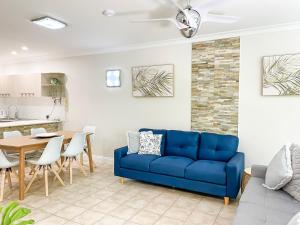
(24, 48)
(49, 23)
(109, 12)
(14, 53)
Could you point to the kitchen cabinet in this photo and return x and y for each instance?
(6, 84)
(33, 85)
(26, 85)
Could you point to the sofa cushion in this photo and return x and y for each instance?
(182, 143)
(170, 165)
(163, 139)
(261, 206)
(137, 162)
(217, 147)
(207, 171)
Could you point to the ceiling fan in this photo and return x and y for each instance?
(189, 18)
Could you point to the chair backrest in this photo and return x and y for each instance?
(90, 129)
(51, 152)
(76, 145)
(12, 134)
(4, 163)
(35, 131)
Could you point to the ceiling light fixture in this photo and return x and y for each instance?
(49, 23)
(14, 53)
(24, 48)
(109, 12)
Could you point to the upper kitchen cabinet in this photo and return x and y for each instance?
(6, 86)
(27, 85)
(33, 85)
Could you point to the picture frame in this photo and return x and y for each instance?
(281, 75)
(153, 80)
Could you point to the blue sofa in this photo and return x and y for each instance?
(201, 162)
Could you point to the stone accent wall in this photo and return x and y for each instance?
(25, 130)
(215, 85)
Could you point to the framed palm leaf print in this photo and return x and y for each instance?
(281, 75)
(153, 81)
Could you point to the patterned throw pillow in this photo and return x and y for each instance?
(293, 187)
(133, 142)
(150, 143)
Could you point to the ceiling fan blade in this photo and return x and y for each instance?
(175, 22)
(219, 18)
(176, 4)
(208, 5)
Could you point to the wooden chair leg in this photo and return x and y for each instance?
(32, 179)
(70, 171)
(46, 181)
(60, 169)
(32, 170)
(2, 184)
(226, 200)
(81, 168)
(58, 165)
(14, 172)
(94, 164)
(9, 179)
(81, 158)
(58, 177)
(122, 180)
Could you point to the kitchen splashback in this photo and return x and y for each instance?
(35, 108)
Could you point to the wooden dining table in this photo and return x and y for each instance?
(26, 144)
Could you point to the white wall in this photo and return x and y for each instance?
(265, 122)
(113, 110)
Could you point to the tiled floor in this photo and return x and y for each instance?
(100, 199)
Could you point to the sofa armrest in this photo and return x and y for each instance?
(258, 171)
(118, 155)
(234, 172)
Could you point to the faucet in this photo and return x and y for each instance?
(16, 112)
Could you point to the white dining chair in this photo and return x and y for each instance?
(11, 134)
(49, 156)
(6, 168)
(29, 155)
(92, 130)
(15, 134)
(35, 131)
(74, 149)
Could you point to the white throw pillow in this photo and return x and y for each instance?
(293, 187)
(133, 142)
(150, 143)
(279, 171)
(295, 220)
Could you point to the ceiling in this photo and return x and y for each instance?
(89, 31)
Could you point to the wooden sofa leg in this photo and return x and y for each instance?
(226, 200)
(122, 180)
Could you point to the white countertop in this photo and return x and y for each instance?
(26, 122)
